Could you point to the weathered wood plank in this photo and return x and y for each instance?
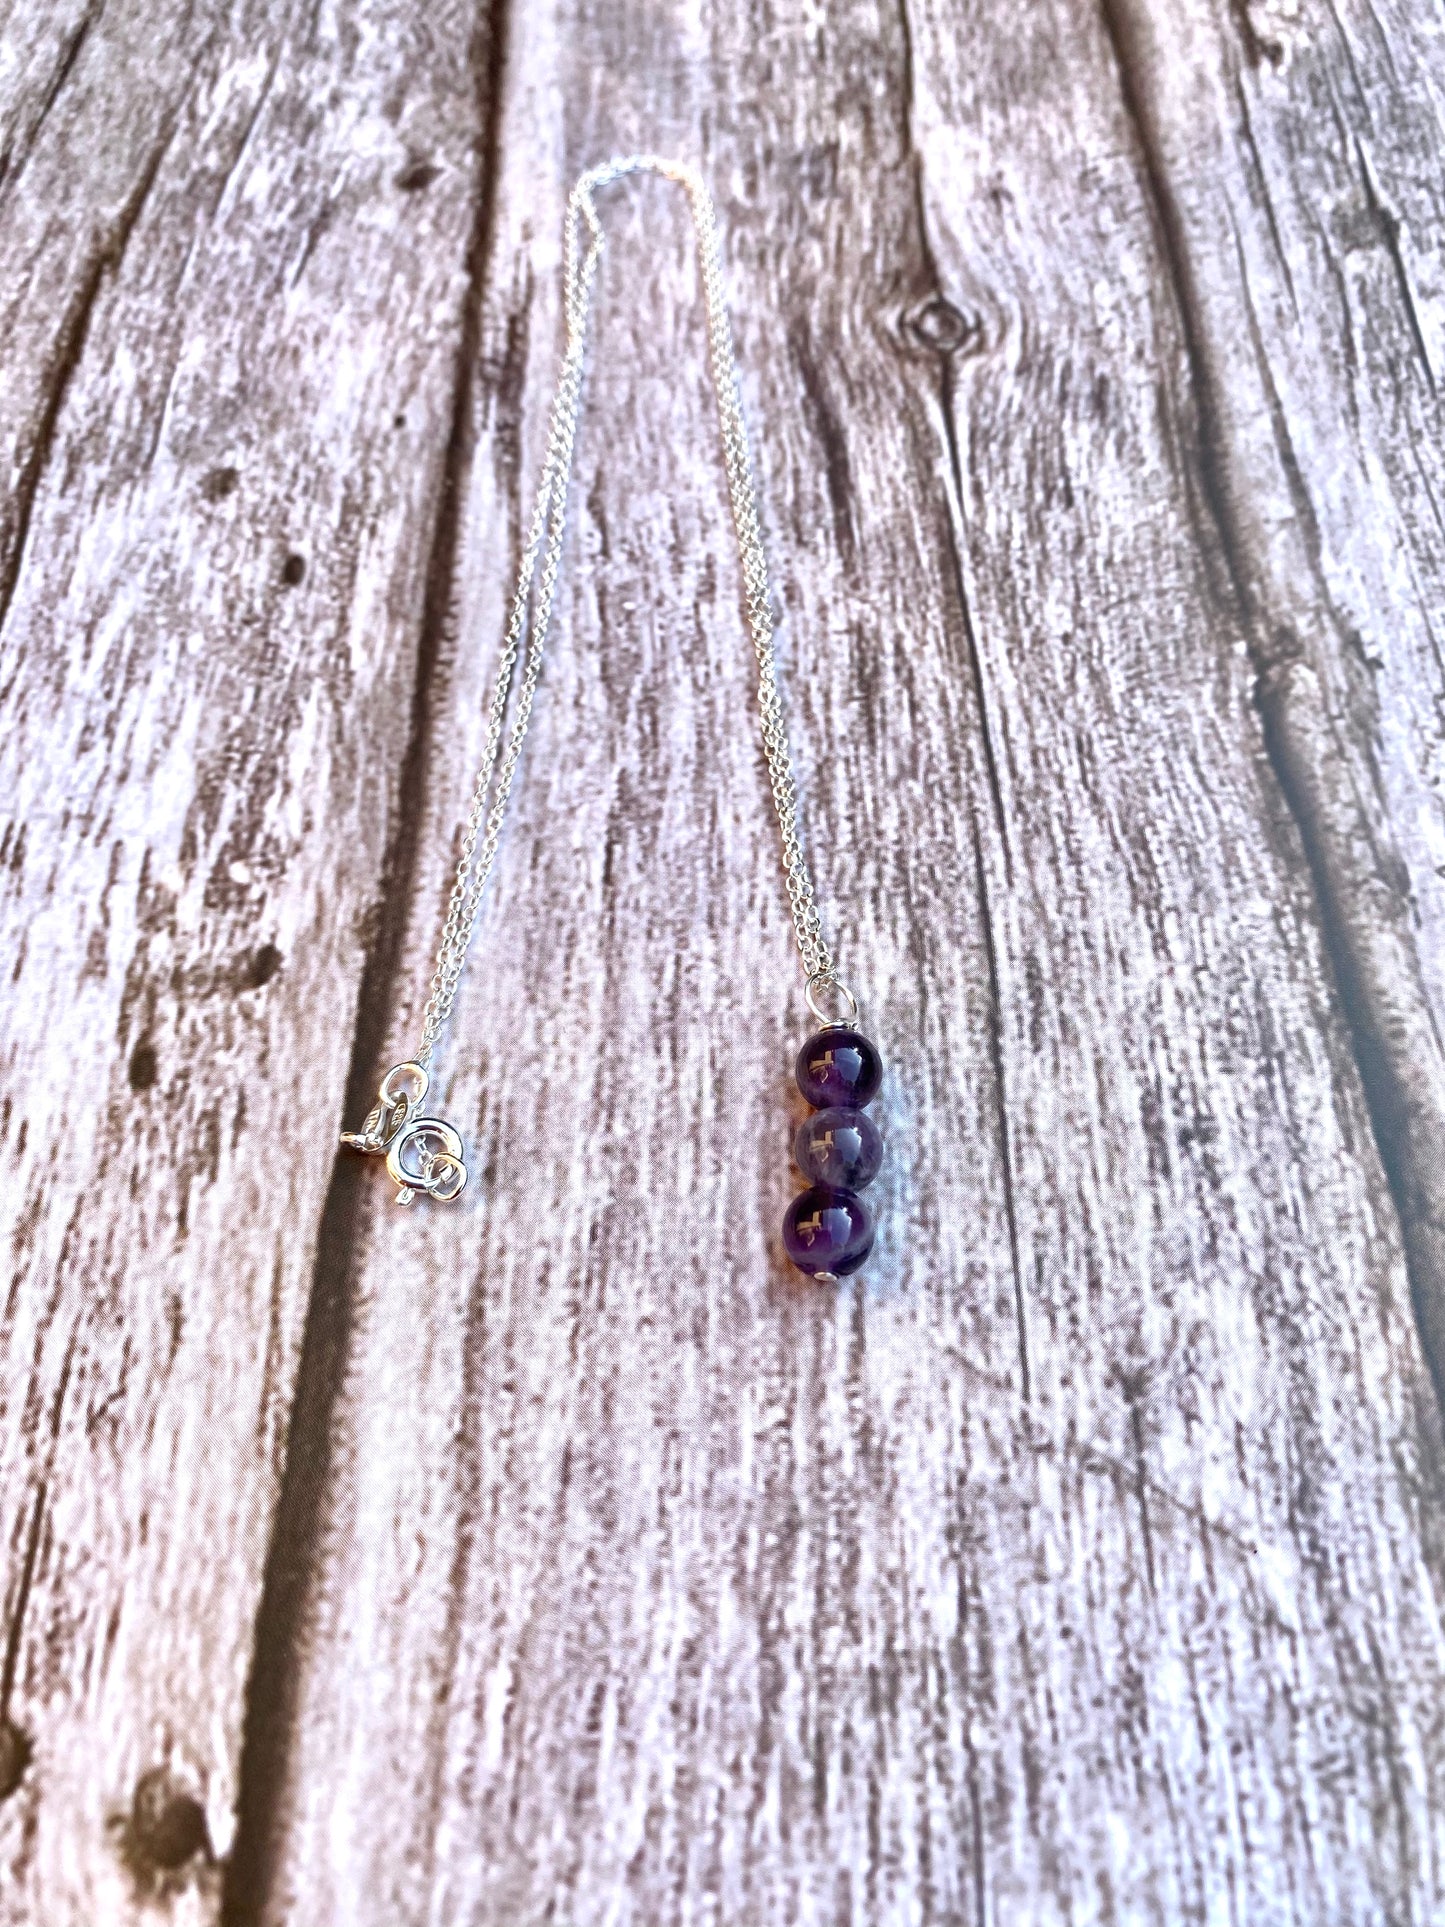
(1079, 1564)
(232, 314)
(1294, 154)
(989, 197)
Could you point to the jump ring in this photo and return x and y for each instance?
(405, 1081)
(825, 980)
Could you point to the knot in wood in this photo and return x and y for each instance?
(167, 1824)
(260, 967)
(417, 176)
(937, 325)
(220, 483)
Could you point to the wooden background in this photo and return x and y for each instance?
(558, 1557)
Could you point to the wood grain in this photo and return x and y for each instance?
(1293, 157)
(559, 1557)
(231, 341)
(1057, 1571)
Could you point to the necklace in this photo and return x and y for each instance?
(828, 1230)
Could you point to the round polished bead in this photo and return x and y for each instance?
(840, 1148)
(828, 1233)
(839, 1067)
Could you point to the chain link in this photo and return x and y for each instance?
(548, 526)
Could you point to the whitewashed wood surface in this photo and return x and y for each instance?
(559, 1556)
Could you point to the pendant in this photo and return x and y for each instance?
(422, 1154)
(828, 1230)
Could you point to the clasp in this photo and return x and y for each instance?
(427, 1156)
(423, 1154)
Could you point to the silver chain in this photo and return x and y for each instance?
(548, 526)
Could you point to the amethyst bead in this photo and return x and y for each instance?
(839, 1067)
(828, 1233)
(839, 1148)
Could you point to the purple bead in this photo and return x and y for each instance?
(839, 1067)
(839, 1148)
(828, 1231)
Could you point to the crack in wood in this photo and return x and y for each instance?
(16, 1625)
(962, 338)
(833, 442)
(1390, 228)
(270, 1700)
(69, 347)
(991, 765)
(16, 1746)
(13, 160)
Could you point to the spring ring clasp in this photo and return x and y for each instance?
(423, 1154)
